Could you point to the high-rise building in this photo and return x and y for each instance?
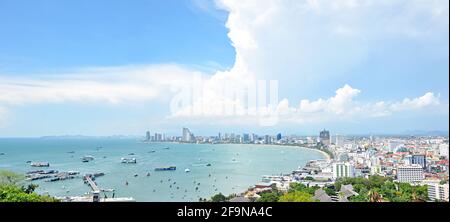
(187, 135)
(410, 173)
(339, 140)
(279, 136)
(148, 136)
(246, 138)
(420, 160)
(253, 138)
(343, 169)
(266, 139)
(324, 137)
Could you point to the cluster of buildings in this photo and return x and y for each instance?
(417, 160)
(407, 159)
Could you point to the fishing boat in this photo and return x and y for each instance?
(170, 168)
(128, 160)
(40, 164)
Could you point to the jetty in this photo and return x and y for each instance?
(95, 194)
(88, 179)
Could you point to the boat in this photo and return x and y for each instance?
(208, 164)
(153, 151)
(170, 168)
(72, 172)
(131, 154)
(128, 160)
(187, 170)
(86, 159)
(167, 148)
(40, 164)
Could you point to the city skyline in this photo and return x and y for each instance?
(351, 67)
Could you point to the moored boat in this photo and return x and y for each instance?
(170, 168)
(128, 160)
(40, 164)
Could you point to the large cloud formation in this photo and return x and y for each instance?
(305, 42)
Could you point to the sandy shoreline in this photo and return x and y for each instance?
(327, 156)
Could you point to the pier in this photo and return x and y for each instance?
(91, 183)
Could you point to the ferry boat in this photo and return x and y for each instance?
(170, 168)
(40, 164)
(128, 160)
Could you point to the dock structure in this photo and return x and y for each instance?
(95, 194)
(92, 184)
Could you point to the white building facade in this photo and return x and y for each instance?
(410, 173)
(341, 170)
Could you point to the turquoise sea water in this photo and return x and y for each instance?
(233, 167)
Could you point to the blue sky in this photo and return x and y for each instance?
(112, 67)
(49, 35)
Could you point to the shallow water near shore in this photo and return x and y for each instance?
(234, 167)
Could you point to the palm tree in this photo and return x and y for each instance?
(374, 196)
(416, 198)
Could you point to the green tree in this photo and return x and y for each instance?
(11, 193)
(11, 189)
(10, 178)
(269, 197)
(296, 196)
(219, 198)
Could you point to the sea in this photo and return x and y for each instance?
(213, 168)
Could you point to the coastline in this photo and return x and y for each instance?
(326, 155)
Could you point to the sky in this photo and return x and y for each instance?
(121, 68)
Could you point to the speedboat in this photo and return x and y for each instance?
(187, 170)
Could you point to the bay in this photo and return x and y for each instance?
(234, 167)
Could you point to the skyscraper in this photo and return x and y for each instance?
(187, 135)
(266, 139)
(324, 137)
(246, 138)
(279, 136)
(147, 136)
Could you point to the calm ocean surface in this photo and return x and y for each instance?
(227, 175)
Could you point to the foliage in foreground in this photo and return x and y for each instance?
(11, 189)
(373, 189)
(383, 189)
